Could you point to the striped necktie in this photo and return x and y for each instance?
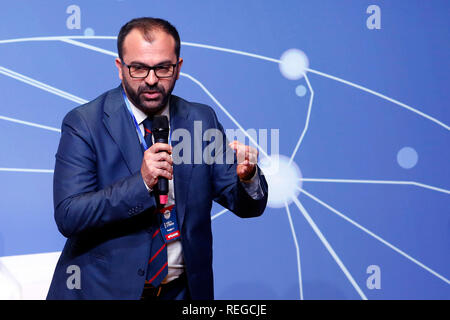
(157, 264)
(148, 131)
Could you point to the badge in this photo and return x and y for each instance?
(169, 224)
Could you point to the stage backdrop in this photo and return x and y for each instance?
(353, 97)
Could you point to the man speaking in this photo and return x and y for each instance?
(126, 237)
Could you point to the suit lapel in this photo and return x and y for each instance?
(120, 126)
(181, 172)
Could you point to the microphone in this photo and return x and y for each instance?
(160, 131)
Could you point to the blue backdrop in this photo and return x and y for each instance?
(370, 121)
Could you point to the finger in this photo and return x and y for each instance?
(162, 165)
(166, 174)
(253, 158)
(244, 151)
(234, 144)
(162, 156)
(157, 147)
(151, 158)
(253, 150)
(247, 152)
(249, 165)
(253, 155)
(243, 171)
(161, 173)
(240, 147)
(240, 155)
(244, 164)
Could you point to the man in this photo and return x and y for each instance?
(106, 195)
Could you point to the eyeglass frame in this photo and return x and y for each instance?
(150, 68)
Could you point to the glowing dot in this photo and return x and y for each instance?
(293, 64)
(89, 32)
(283, 180)
(300, 90)
(407, 158)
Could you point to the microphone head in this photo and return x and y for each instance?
(160, 122)
(160, 127)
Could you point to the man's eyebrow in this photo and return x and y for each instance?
(146, 65)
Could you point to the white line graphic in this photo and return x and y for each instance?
(329, 248)
(311, 98)
(56, 38)
(420, 264)
(401, 104)
(412, 183)
(90, 47)
(31, 124)
(218, 214)
(26, 170)
(41, 85)
(243, 53)
(299, 268)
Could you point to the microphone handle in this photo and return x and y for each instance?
(163, 183)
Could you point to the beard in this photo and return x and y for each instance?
(148, 106)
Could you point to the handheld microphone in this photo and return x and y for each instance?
(160, 131)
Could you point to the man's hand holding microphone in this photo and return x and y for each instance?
(157, 164)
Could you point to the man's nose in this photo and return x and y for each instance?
(151, 78)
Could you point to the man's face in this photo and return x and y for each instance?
(149, 94)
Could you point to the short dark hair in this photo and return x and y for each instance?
(147, 25)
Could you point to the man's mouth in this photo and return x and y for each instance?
(151, 94)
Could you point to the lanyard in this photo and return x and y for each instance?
(138, 130)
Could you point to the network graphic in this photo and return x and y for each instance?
(327, 236)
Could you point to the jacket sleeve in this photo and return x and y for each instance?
(228, 190)
(79, 204)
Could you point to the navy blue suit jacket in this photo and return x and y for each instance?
(104, 209)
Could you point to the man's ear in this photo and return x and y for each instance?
(180, 63)
(119, 67)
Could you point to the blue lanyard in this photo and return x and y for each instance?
(136, 124)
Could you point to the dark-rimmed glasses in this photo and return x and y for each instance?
(140, 71)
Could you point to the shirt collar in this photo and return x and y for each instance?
(141, 116)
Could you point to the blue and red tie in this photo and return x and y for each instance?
(157, 264)
(148, 131)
